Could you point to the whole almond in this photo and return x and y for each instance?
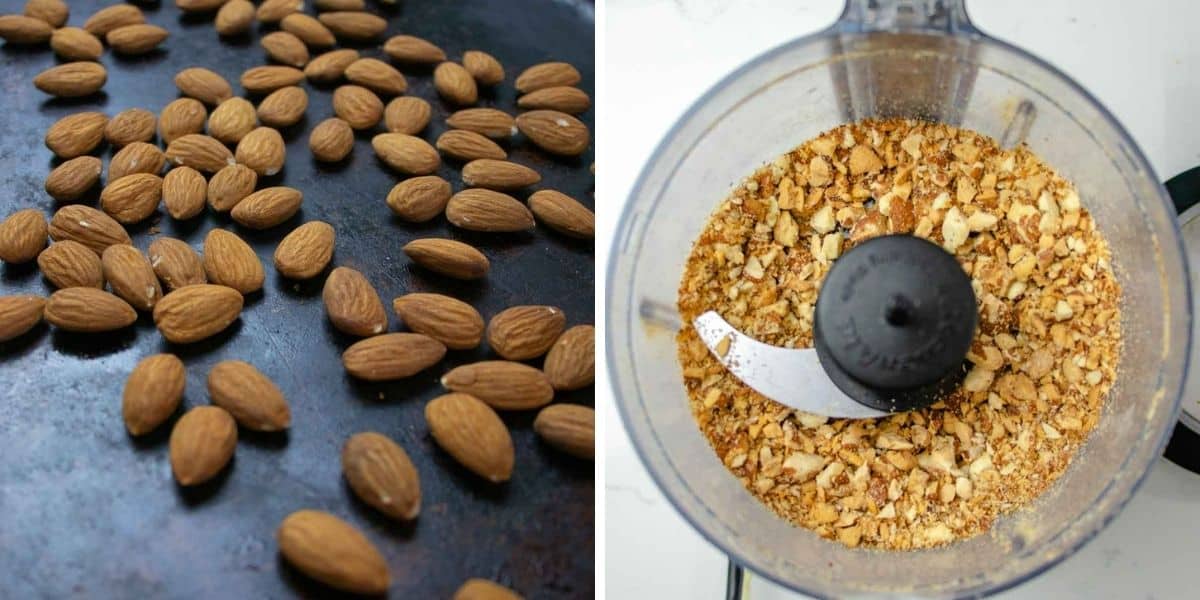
(152, 392)
(485, 210)
(306, 251)
(352, 303)
(199, 6)
(358, 106)
(563, 214)
(54, 12)
(68, 264)
(448, 320)
(483, 67)
(22, 236)
(199, 152)
(19, 314)
(571, 362)
(525, 332)
(234, 18)
(354, 25)
(272, 11)
(412, 49)
(73, 178)
(230, 186)
(268, 78)
(88, 310)
(407, 114)
(129, 126)
(568, 427)
(310, 30)
(406, 153)
(503, 385)
(138, 157)
(232, 119)
(331, 140)
(377, 76)
(131, 276)
(419, 199)
(381, 474)
(76, 135)
(490, 122)
(555, 132)
(340, 4)
(202, 443)
(175, 263)
(472, 433)
(482, 589)
(283, 107)
(20, 29)
(565, 99)
(181, 117)
(455, 84)
(183, 192)
(195, 312)
(107, 19)
(392, 356)
(262, 150)
(267, 207)
(73, 43)
(448, 257)
(253, 400)
(203, 85)
(136, 39)
(286, 48)
(231, 262)
(468, 145)
(545, 75)
(333, 552)
(87, 226)
(330, 66)
(72, 80)
(132, 198)
(498, 174)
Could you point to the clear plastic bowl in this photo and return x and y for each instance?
(888, 59)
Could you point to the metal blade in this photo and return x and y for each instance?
(790, 376)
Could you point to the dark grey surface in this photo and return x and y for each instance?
(86, 511)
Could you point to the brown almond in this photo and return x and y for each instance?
(232, 119)
(331, 140)
(555, 132)
(448, 320)
(19, 314)
(377, 76)
(87, 226)
(419, 199)
(467, 145)
(352, 303)
(340, 4)
(568, 427)
(478, 209)
(489, 122)
(571, 362)
(306, 251)
(412, 49)
(407, 114)
(525, 332)
(107, 19)
(131, 276)
(181, 117)
(268, 78)
(565, 99)
(381, 474)
(22, 236)
(472, 433)
(176, 263)
(503, 385)
(545, 75)
(68, 264)
(199, 6)
(483, 67)
(392, 356)
(195, 312)
(183, 192)
(273, 11)
(20, 29)
(87, 310)
(482, 589)
(267, 207)
(250, 397)
(54, 12)
(132, 198)
(74, 43)
(330, 66)
(498, 174)
(406, 153)
(230, 186)
(563, 214)
(234, 18)
(310, 30)
(138, 157)
(203, 85)
(73, 178)
(286, 48)
(202, 443)
(136, 39)
(333, 552)
(358, 106)
(354, 25)
(448, 257)
(199, 152)
(262, 150)
(283, 107)
(455, 84)
(231, 262)
(76, 135)
(129, 126)
(152, 392)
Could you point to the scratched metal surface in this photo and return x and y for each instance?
(87, 511)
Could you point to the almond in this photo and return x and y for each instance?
(354, 25)
(107, 19)
(331, 140)
(472, 433)
(333, 552)
(563, 214)
(352, 303)
(545, 75)
(231, 262)
(358, 106)
(183, 192)
(76, 135)
(392, 356)
(250, 397)
(132, 198)
(234, 18)
(485, 210)
(54, 12)
(202, 443)
(306, 251)
(490, 122)
(267, 207)
(129, 126)
(483, 67)
(203, 85)
(286, 48)
(381, 474)
(181, 117)
(448, 257)
(555, 132)
(131, 276)
(136, 39)
(152, 392)
(73, 43)
(525, 332)
(73, 178)
(406, 153)
(310, 30)
(468, 145)
(455, 84)
(571, 362)
(232, 119)
(272, 11)
(88, 310)
(565, 99)
(195, 312)
(19, 29)
(230, 186)
(448, 320)
(419, 199)
(87, 226)
(482, 589)
(412, 49)
(568, 427)
(68, 264)
(198, 6)
(330, 66)
(340, 4)
(138, 157)
(22, 236)
(503, 385)
(268, 78)
(407, 114)
(377, 75)
(19, 314)
(200, 152)
(262, 150)
(498, 174)
(175, 263)
(283, 107)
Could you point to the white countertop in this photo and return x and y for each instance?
(1139, 58)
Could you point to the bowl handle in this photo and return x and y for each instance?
(946, 16)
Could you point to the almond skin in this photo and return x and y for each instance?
(272, 11)
(107, 19)
(68, 264)
(306, 251)
(406, 153)
(283, 107)
(563, 214)
(448, 320)
(181, 117)
(352, 303)
(484, 210)
(235, 17)
(202, 443)
(88, 310)
(23, 236)
(268, 78)
(199, 152)
(74, 43)
(503, 385)
(199, 6)
(498, 174)
(262, 150)
(565, 99)
(407, 114)
(310, 30)
(19, 314)
(419, 199)
(76, 135)
(231, 262)
(231, 120)
(175, 263)
(87, 226)
(330, 66)
(448, 257)
(129, 126)
(467, 146)
(132, 198)
(131, 276)
(473, 434)
(568, 427)
(381, 474)
(73, 178)
(483, 67)
(267, 207)
(231, 185)
(392, 356)
(20, 29)
(455, 84)
(183, 192)
(286, 48)
(331, 140)
(525, 332)
(546, 75)
(138, 157)
(353, 25)
(571, 362)
(358, 106)
(253, 400)
(152, 392)
(195, 312)
(136, 39)
(333, 552)
(377, 76)
(54, 12)
(412, 49)
(555, 132)
(203, 85)
(482, 589)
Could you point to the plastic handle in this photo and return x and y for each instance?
(948, 16)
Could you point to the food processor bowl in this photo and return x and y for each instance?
(917, 59)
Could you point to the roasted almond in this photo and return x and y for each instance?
(203, 85)
(306, 251)
(230, 186)
(267, 207)
(232, 119)
(472, 433)
(545, 75)
(571, 362)
(563, 214)
(503, 385)
(565, 99)
(455, 84)
(358, 106)
(354, 25)
(107, 19)
(406, 153)
(490, 122)
(555, 132)
(262, 150)
(568, 427)
(448, 320)
(377, 76)
(54, 12)
(199, 6)
(176, 263)
(482, 589)
(181, 117)
(330, 66)
(19, 314)
(412, 49)
(68, 264)
(88, 310)
(352, 303)
(76, 135)
(136, 39)
(283, 107)
(234, 18)
(407, 114)
(483, 67)
(152, 392)
(525, 332)
(498, 174)
(333, 552)
(132, 198)
(129, 126)
(478, 209)
(138, 157)
(340, 4)
(273, 11)
(253, 400)
(310, 30)
(392, 356)
(199, 152)
(381, 474)
(73, 178)
(331, 140)
(448, 257)
(268, 78)
(74, 43)
(20, 29)
(202, 443)
(183, 192)
(286, 48)
(419, 199)
(231, 262)
(194, 312)
(22, 236)
(87, 226)
(131, 276)
(467, 145)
